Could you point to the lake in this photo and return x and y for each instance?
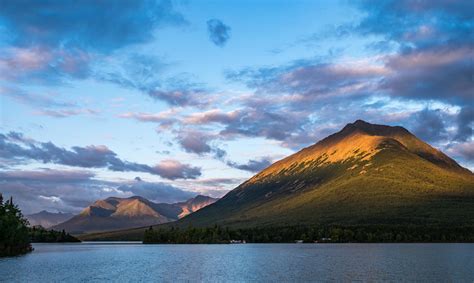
(247, 262)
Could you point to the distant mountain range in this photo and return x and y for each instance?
(365, 174)
(47, 219)
(121, 213)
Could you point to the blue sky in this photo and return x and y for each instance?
(196, 96)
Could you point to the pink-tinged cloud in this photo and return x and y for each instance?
(172, 169)
(42, 65)
(165, 118)
(214, 115)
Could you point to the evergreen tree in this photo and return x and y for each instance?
(14, 238)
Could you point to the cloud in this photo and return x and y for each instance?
(66, 113)
(179, 97)
(53, 42)
(465, 123)
(252, 165)
(88, 157)
(219, 33)
(47, 175)
(165, 119)
(172, 169)
(426, 63)
(41, 65)
(431, 73)
(100, 26)
(463, 150)
(213, 116)
(431, 126)
(303, 84)
(194, 142)
(34, 99)
(72, 190)
(157, 192)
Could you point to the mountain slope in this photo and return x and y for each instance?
(47, 219)
(364, 174)
(121, 213)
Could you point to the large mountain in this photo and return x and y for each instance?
(121, 213)
(47, 219)
(365, 174)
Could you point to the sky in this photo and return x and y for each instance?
(170, 99)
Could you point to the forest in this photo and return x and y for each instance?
(291, 234)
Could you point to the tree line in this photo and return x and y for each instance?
(40, 235)
(308, 234)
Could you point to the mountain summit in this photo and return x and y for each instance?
(119, 213)
(364, 174)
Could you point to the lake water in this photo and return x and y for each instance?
(125, 262)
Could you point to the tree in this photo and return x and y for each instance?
(14, 238)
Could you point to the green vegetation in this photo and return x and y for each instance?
(40, 235)
(380, 179)
(367, 234)
(14, 239)
(394, 187)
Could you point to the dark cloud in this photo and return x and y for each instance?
(52, 42)
(88, 157)
(252, 165)
(434, 40)
(219, 33)
(441, 73)
(465, 124)
(417, 22)
(101, 26)
(431, 126)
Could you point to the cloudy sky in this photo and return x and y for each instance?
(167, 99)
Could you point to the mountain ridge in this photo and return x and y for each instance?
(118, 213)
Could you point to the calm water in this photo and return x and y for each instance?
(249, 262)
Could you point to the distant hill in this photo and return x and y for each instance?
(47, 219)
(365, 174)
(121, 213)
